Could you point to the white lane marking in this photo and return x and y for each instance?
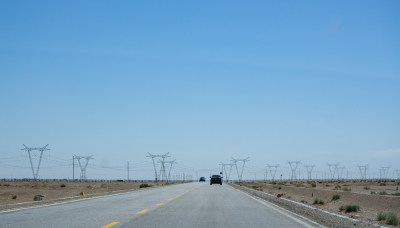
(283, 211)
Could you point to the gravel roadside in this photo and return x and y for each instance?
(322, 217)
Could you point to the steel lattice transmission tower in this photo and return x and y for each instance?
(235, 162)
(340, 172)
(309, 170)
(162, 168)
(83, 165)
(30, 149)
(398, 173)
(333, 169)
(272, 170)
(170, 167)
(227, 174)
(293, 166)
(363, 171)
(383, 171)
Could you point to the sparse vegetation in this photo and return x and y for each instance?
(392, 219)
(352, 208)
(299, 185)
(367, 188)
(335, 197)
(103, 186)
(63, 186)
(382, 193)
(396, 194)
(14, 197)
(338, 187)
(382, 184)
(319, 201)
(313, 185)
(381, 216)
(303, 201)
(258, 188)
(279, 187)
(145, 185)
(347, 189)
(373, 193)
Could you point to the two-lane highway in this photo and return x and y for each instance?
(183, 205)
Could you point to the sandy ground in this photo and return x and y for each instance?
(25, 191)
(370, 196)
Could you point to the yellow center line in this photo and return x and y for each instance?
(110, 225)
(159, 204)
(170, 199)
(140, 212)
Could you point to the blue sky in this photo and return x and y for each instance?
(206, 81)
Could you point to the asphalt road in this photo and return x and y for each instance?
(184, 205)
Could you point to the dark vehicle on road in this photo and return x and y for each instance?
(202, 179)
(215, 179)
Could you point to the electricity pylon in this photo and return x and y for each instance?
(272, 170)
(363, 171)
(30, 149)
(309, 170)
(227, 174)
(398, 173)
(340, 172)
(152, 156)
(83, 165)
(235, 161)
(333, 169)
(293, 166)
(383, 171)
(170, 167)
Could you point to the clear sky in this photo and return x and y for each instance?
(316, 81)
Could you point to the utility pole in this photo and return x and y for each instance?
(127, 166)
(73, 167)
(235, 161)
(30, 149)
